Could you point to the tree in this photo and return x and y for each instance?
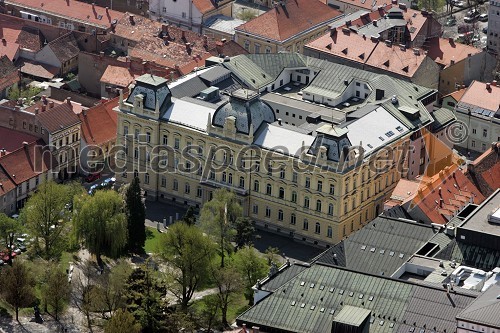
(46, 219)
(28, 93)
(252, 267)
(244, 231)
(209, 311)
(56, 290)
(112, 291)
(187, 253)
(228, 283)
(84, 293)
(100, 223)
(136, 215)
(122, 321)
(189, 218)
(272, 255)
(145, 299)
(218, 217)
(17, 286)
(8, 228)
(247, 14)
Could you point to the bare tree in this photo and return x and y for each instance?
(84, 294)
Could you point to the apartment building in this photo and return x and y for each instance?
(493, 41)
(315, 180)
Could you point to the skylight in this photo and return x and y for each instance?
(381, 138)
(400, 129)
(389, 134)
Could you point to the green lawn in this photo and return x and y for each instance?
(152, 240)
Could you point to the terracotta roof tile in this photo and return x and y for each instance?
(118, 76)
(99, 123)
(30, 38)
(454, 186)
(27, 162)
(59, 117)
(478, 95)
(484, 172)
(396, 60)
(9, 30)
(204, 6)
(8, 73)
(444, 51)
(456, 95)
(283, 22)
(38, 70)
(12, 140)
(76, 10)
(65, 47)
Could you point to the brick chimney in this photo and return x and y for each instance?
(68, 101)
(188, 47)
(205, 41)
(3, 152)
(44, 107)
(183, 34)
(164, 29)
(255, 329)
(51, 104)
(37, 110)
(494, 83)
(131, 19)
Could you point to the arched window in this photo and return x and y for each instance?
(282, 173)
(230, 179)
(136, 173)
(269, 189)
(294, 196)
(242, 182)
(280, 215)
(305, 226)
(224, 177)
(293, 219)
(318, 205)
(317, 228)
(256, 186)
(330, 209)
(306, 202)
(282, 193)
(329, 232)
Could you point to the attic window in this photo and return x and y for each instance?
(372, 320)
(332, 290)
(351, 294)
(312, 285)
(372, 250)
(406, 69)
(361, 296)
(389, 134)
(369, 146)
(322, 310)
(363, 247)
(293, 303)
(321, 287)
(381, 138)
(302, 283)
(401, 255)
(332, 311)
(386, 64)
(303, 305)
(382, 251)
(391, 325)
(399, 128)
(381, 323)
(362, 56)
(344, 51)
(313, 307)
(329, 46)
(391, 254)
(341, 292)
(99, 17)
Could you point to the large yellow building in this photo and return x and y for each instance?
(318, 179)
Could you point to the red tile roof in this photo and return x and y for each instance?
(8, 73)
(38, 70)
(440, 205)
(72, 9)
(27, 162)
(484, 172)
(99, 123)
(456, 95)
(444, 51)
(478, 95)
(281, 23)
(30, 38)
(65, 47)
(59, 117)
(11, 139)
(396, 60)
(204, 6)
(118, 76)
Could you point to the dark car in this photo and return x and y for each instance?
(93, 177)
(485, 29)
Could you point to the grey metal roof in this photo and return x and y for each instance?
(311, 300)
(442, 117)
(470, 255)
(215, 74)
(188, 88)
(223, 23)
(485, 309)
(381, 246)
(282, 277)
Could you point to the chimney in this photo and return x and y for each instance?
(279, 121)
(44, 107)
(25, 145)
(51, 104)
(205, 41)
(164, 29)
(68, 100)
(488, 86)
(2, 152)
(394, 2)
(107, 10)
(183, 34)
(44, 99)
(131, 19)
(188, 47)
(375, 22)
(494, 83)
(93, 5)
(439, 191)
(37, 110)
(20, 101)
(450, 39)
(255, 329)
(402, 6)
(223, 40)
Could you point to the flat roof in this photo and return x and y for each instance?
(478, 219)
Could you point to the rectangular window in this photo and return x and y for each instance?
(136, 134)
(332, 189)
(485, 133)
(177, 143)
(146, 178)
(163, 182)
(187, 188)
(148, 137)
(165, 140)
(320, 186)
(308, 182)
(268, 212)
(199, 192)
(294, 177)
(255, 209)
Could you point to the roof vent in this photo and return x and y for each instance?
(394, 99)
(416, 51)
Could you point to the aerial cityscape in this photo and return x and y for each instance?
(250, 166)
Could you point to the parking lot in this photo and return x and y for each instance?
(452, 31)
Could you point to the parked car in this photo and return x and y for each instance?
(485, 30)
(459, 4)
(483, 17)
(21, 247)
(93, 177)
(451, 21)
(470, 19)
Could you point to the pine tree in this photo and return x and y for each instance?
(136, 215)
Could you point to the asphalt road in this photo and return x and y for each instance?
(452, 31)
